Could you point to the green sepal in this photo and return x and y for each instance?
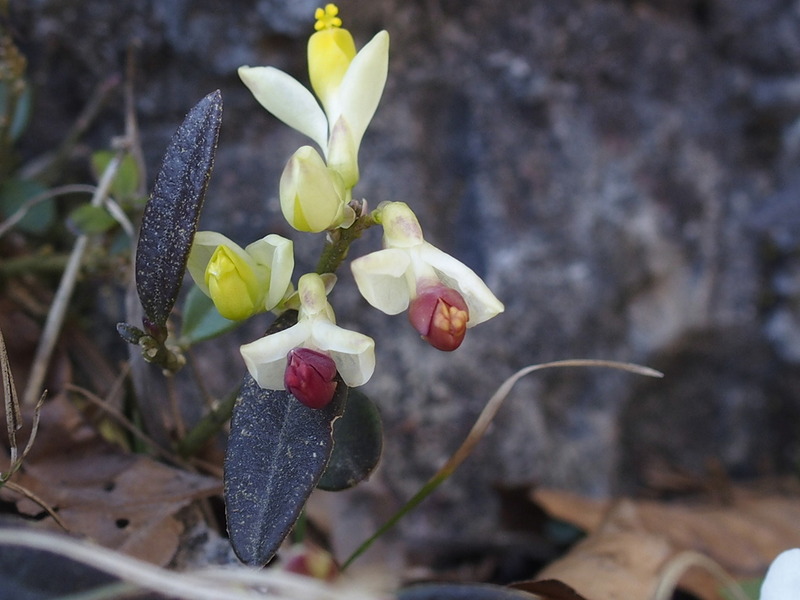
(201, 319)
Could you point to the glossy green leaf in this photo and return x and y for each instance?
(14, 193)
(87, 218)
(277, 451)
(126, 181)
(201, 319)
(358, 442)
(170, 217)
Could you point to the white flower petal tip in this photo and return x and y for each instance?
(782, 581)
(288, 100)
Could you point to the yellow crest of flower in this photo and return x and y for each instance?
(330, 51)
(232, 285)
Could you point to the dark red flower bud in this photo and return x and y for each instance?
(440, 314)
(312, 562)
(310, 376)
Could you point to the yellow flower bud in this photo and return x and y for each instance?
(233, 286)
(312, 195)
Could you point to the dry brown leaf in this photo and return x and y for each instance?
(634, 540)
(585, 513)
(122, 501)
(618, 562)
(744, 535)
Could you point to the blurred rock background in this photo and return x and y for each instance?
(624, 175)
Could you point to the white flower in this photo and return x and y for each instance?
(390, 279)
(352, 352)
(348, 84)
(783, 577)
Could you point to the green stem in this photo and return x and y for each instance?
(37, 263)
(335, 251)
(208, 426)
(423, 493)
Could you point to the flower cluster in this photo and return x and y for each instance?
(315, 192)
(443, 296)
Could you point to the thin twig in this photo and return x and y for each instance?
(679, 564)
(13, 413)
(123, 421)
(209, 584)
(33, 497)
(55, 317)
(46, 169)
(131, 123)
(476, 434)
(19, 214)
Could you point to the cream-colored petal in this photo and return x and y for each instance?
(276, 253)
(311, 194)
(287, 99)
(313, 298)
(266, 357)
(482, 303)
(362, 86)
(382, 278)
(401, 228)
(343, 153)
(353, 352)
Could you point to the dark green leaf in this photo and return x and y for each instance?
(277, 451)
(170, 217)
(460, 591)
(126, 181)
(87, 218)
(15, 192)
(358, 441)
(201, 319)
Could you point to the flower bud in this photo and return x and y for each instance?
(312, 195)
(440, 315)
(310, 376)
(310, 561)
(232, 285)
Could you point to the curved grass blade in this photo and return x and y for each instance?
(170, 217)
